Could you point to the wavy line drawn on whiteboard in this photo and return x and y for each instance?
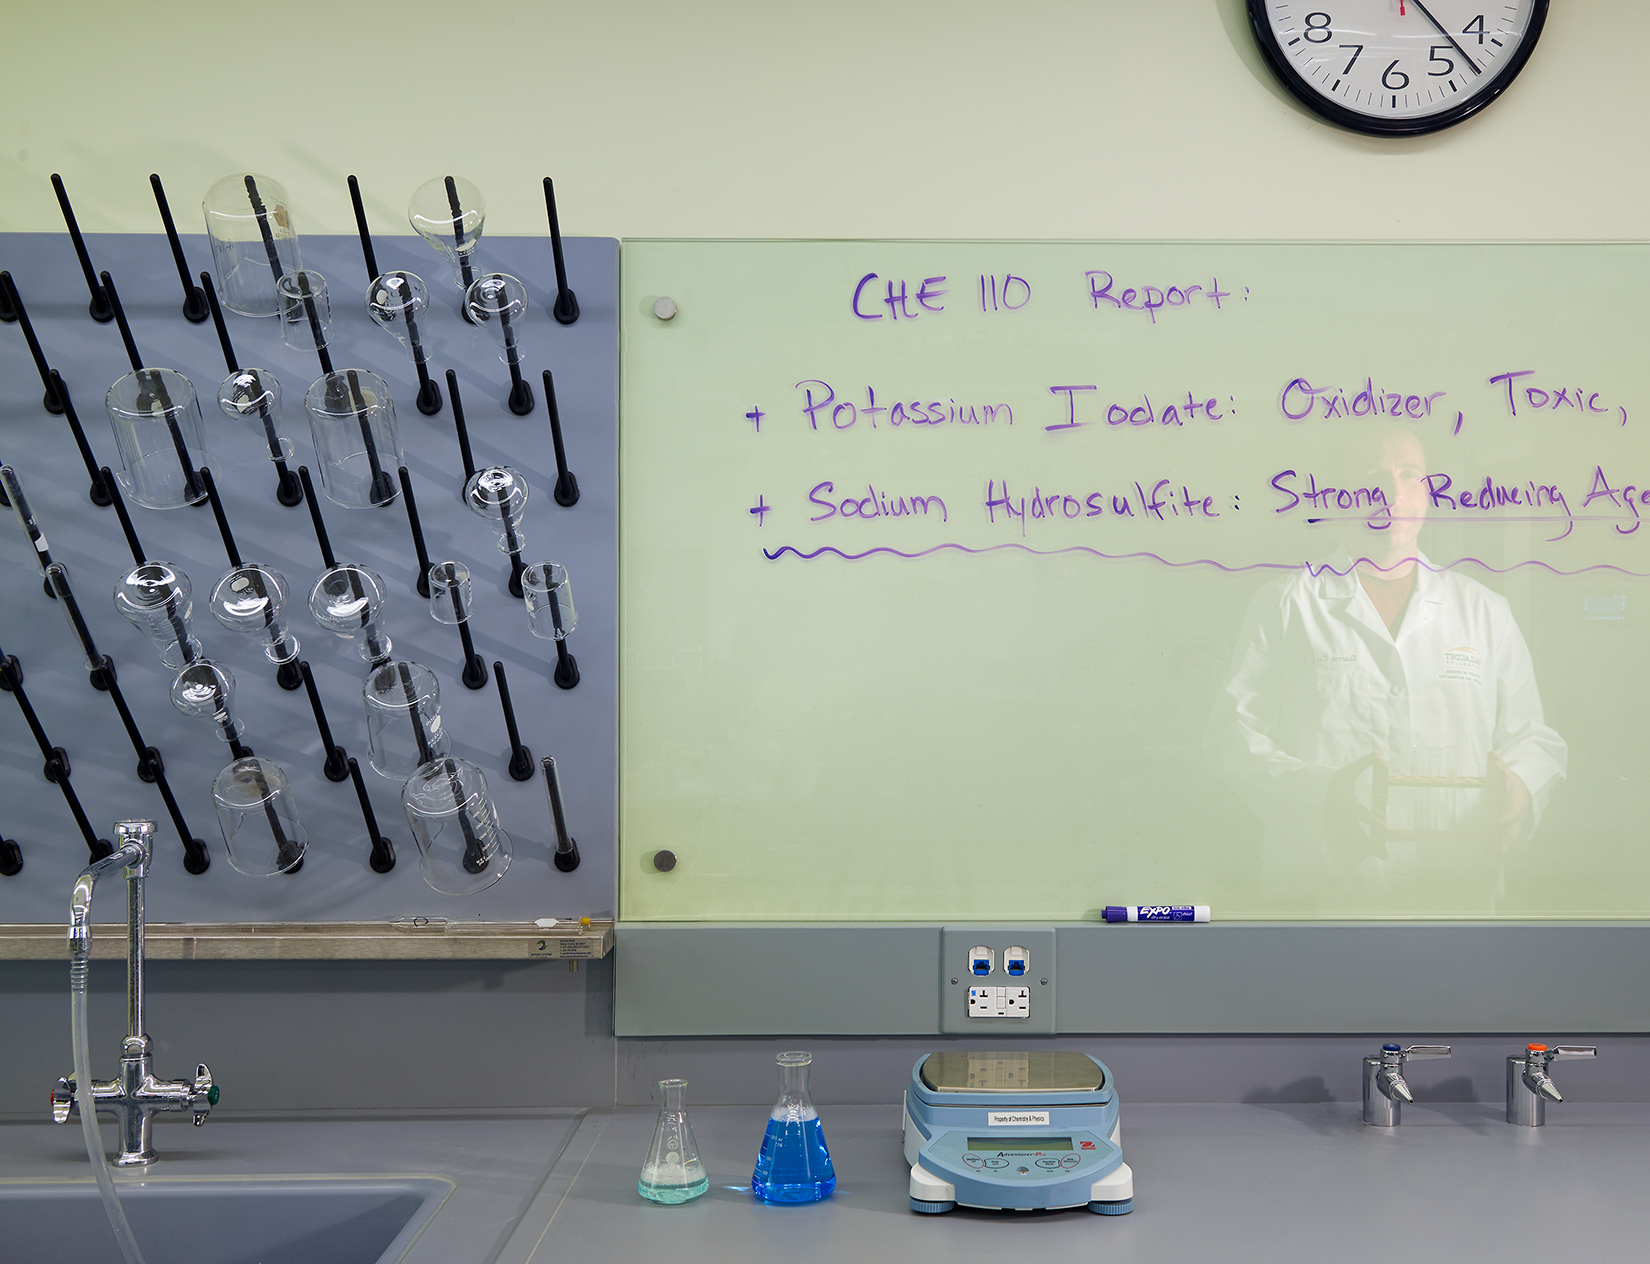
(1312, 568)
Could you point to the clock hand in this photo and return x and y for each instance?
(1423, 8)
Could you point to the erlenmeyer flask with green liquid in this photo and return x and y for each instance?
(673, 1172)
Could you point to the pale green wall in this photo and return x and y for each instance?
(1082, 118)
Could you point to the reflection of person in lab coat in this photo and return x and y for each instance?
(1339, 666)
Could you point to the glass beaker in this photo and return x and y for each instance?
(449, 592)
(461, 849)
(346, 601)
(155, 599)
(793, 1165)
(259, 817)
(549, 598)
(352, 421)
(251, 398)
(403, 702)
(673, 1172)
(306, 311)
(157, 423)
(253, 243)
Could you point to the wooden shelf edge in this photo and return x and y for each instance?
(323, 941)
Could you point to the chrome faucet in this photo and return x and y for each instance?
(1385, 1089)
(1530, 1088)
(135, 1094)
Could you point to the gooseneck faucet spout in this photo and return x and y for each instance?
(135, 1095)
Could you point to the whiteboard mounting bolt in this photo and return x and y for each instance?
(664, 307)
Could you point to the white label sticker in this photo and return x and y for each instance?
(1017, 1118)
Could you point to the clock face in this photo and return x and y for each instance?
(1397, 67)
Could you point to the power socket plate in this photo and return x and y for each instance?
(958, 985)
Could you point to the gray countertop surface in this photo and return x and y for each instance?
(1272, 1182)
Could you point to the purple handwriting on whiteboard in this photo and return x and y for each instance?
(877, 503)
(824, 411)
(1106, 293)
(1534, 398)
(903, 301)
(1160, 503)
(1144, 413)
(1300, 399)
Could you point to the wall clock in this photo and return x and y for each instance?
(1397, 67)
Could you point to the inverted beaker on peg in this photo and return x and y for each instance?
(157, 424)
(461, 847)
(249, 223)
(352, 423)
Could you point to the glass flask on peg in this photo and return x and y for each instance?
(156, 420)
(347, 601)
(498, 303)
(250, 600)
(259, 817)
(249, 223)
(448, 212)
(499, 494)
(793, 1165)
(206, 691)
(156, 599)
(673, 1172)
(251, 398)
(461, 848)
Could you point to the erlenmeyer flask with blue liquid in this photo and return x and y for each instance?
(793, 1165)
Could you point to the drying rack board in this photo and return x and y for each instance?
(335, 905)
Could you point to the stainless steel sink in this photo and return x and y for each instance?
(229, 1221)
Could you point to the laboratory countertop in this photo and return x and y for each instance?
(1279, 1183)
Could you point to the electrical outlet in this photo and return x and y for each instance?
(974, 997)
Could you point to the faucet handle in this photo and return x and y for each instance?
(1574, 1051)
(1427, 1051)
(63, 1100)
(205, 1095)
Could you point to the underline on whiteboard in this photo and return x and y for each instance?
(1312, 568)
(1498, 518)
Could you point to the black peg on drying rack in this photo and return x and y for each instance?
(287, 489)
(31, 527)
(567, 486)
(361, 226)
(132, 541)
(8, 313)
(196, 859)
(57, 575)
(8, 287)
(194, 298)
(460, 427)
(327, 559)
(99, 493)
(11, 858)
(264, 230)
(56, 769)
(521, 759)
(383, 852)
(566, 309)
(223, 521)
(423, 584)
(474, 675)
(98, 308)
(458, 241)
(120, 323)
(567, 850)
(335, 767)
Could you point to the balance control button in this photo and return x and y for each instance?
(996, 1162)
(1048, 1162)
(973, 1160)
(1071, 1160)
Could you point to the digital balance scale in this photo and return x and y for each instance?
(1014, 1132)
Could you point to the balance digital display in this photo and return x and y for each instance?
(978, 1133)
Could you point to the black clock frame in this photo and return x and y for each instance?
(1371, 125)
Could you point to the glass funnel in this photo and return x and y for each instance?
(793, 1165)
(673, 1172)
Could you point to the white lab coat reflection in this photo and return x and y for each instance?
(1317, 683)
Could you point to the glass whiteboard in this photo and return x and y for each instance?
(996, 580)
